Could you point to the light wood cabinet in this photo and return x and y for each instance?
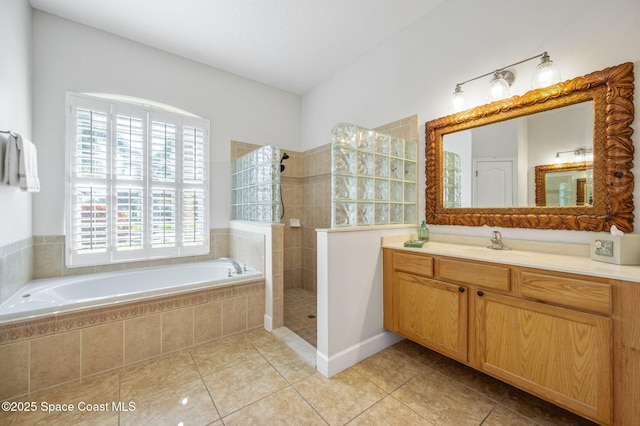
(561, 355)
(432, 313)
(548, 333)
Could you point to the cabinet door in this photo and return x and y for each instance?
(561, 355)
(431, 313)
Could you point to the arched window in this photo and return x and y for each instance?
(138, 181)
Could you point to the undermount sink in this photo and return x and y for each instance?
(506, 254)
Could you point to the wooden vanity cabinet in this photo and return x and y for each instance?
(547, 333)
(558, 354)
(430, 312)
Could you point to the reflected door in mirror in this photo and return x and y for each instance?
(494, 183)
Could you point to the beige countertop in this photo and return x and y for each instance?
(532, 259)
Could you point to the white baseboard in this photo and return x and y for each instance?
(268, 322)
(330, 366)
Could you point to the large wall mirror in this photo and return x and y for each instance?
(484, 165)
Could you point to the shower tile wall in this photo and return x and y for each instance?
(306, 193)
(316, 190)
(16, 267)
(291, 180)
(306, 189)
(407, 129)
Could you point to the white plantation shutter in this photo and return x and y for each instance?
(128, 183)
(138, 183)
(193, 213)
(193, 194)
(89, 171)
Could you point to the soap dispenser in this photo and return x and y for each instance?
(423, 232)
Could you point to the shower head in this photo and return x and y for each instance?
(285, 156)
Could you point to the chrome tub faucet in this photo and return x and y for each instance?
(235, 264)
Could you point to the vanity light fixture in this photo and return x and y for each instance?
(580, 154)
(499, 87)
(546, 74)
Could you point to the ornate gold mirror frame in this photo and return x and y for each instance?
(611, 91)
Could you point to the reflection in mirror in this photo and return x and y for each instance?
(454, 155)
(493, 165)
(565, 185)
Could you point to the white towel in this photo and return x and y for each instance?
(28, 165)
(21, 164)
(11, 163)
(4, 142)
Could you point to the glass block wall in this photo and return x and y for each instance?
(452, 180)
(373, 178)
(255, 185)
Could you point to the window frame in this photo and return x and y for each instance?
(112, 182)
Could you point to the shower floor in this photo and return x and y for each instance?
(298, 305)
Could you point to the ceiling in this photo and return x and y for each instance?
(293, 45)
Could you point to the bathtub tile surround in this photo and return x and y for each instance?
(247, 246)
(102, 348)
(16, 267)
(14, 360)
(255, 378)
(143, 338)
(54, 360)
(41, 353)
(263, 242)
(207, 319)
(48, 257)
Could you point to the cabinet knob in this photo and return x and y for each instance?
(480, 293)
(461, 289)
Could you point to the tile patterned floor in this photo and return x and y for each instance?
(298, 305)
(257, 379)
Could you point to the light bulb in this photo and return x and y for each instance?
(459, 101)
(498, 88)
(546, 74)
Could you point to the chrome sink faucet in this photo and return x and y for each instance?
(496, 241)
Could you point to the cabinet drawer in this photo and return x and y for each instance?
(487, 276)
(413, 263)
(574, 293)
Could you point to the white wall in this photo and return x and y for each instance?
(350, 297)
(15, 109)
(74, 57)
(416, 70)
